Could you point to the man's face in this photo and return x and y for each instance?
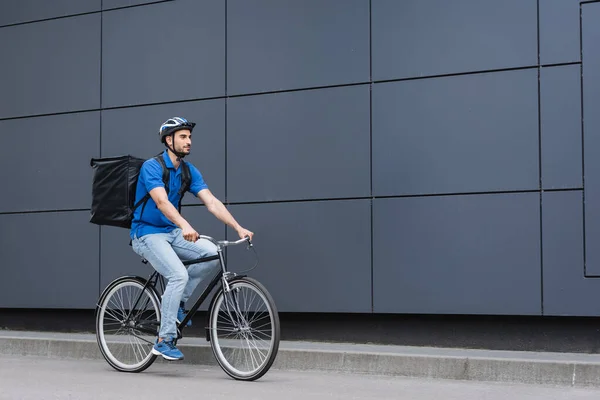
(183, 141)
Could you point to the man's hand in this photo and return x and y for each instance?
(244, 232)
(189, 233)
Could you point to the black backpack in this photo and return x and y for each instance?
(114, 185)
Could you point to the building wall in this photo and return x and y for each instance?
(391, 156)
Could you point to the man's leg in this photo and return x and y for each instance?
(197, 272)
(156, 248)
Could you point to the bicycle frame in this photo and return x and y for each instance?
(223, 275)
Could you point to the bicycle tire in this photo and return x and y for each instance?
(243, 331)
(146, 358)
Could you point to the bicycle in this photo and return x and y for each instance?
(242, 320)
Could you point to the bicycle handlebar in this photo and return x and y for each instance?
(225, 243)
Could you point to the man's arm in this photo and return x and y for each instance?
(217, 208)
(159, 195)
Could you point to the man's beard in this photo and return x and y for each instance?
(184, 150)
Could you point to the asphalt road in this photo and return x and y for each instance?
(43, 378)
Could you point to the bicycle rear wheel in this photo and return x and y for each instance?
(127, 323)
(244, 329)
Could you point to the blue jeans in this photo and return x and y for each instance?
(165, 251)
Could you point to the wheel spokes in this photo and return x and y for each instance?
(243, 330)
(124, 331)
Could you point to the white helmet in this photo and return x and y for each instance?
(173, 125)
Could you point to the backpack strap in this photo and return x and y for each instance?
(165, 171)
(186, 181)
(186, 178)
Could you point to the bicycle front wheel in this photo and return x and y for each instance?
(127, 323)
(244, 329)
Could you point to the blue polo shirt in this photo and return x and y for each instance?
(153, 220)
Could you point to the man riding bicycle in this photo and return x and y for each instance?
(164, 238)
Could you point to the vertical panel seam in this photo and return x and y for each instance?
(540, 163)
(371, 149)
(100, 148)
(226, 194)
(582, 139)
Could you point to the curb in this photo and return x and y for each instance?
(566, 369)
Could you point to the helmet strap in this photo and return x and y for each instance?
(178, 154)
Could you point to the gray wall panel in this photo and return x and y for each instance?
(109, 4)
(299, 145)
(559, 31)
(475, 254)
(81, 83)
(591, 129)
(412, 38)
(566, 290)
(54, 66)
(18, 11)
(64, 272)
(146, 61)
(54, 162)
(467, 133)
(560, 90)
(135, 131)
(287, 44)
(118, 258)
(314, 256)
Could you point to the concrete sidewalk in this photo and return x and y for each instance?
(571, 369)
